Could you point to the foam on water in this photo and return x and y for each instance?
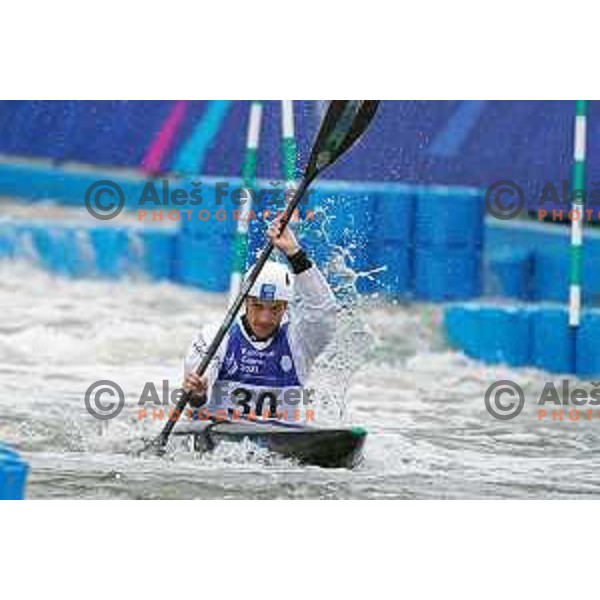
(430, 435)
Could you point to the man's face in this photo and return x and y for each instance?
(264, 317)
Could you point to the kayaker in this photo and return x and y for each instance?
(263, 363)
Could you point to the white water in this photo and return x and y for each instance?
(430, 435)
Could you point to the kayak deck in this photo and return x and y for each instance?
(324, 447)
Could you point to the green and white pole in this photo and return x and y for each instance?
(240, 244)
(578, 188)
(289, 148)
(288, 143)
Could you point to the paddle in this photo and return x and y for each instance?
(344, 122)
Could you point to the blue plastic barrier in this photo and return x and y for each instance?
(203, 263)
(111, 248)
(370, 225)
(13, 474)
(443, 218)
(61, 250)
(158, 253)
(106, 252)
(391, 272)
(206, 222)
(509, 274)
(536, 336)
(553, 345)
(448, 245)
(461, 323)
(349, 219)
(219, 209)
(551, 276)
(394, 219)
(8, 240)
(550, 259)
(587, 352)
(342, 224)
(493, 335)
(444, 274)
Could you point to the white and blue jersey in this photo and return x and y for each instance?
(269, 376)
(262, 379)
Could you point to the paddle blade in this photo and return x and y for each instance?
(344, 122)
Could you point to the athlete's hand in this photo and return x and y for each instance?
(194, 383)
(283, 240)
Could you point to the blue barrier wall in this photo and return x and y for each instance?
(532, 335)
(103, 252)
(405, 241)
(387, 233)
(491, 334)
(530, 261)
(13, 474)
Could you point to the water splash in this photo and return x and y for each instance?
(337, 367)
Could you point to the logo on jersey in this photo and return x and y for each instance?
(230, 364)
(267, 291)
(286, 363)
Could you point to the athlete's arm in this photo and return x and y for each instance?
(193, 358)
(313, 323)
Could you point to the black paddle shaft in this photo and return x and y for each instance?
(344, 122)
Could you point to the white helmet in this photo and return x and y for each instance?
(274, 282)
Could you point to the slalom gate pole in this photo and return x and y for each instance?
(578, 192)
(240, 243)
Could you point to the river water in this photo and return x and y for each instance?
(430, 435)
